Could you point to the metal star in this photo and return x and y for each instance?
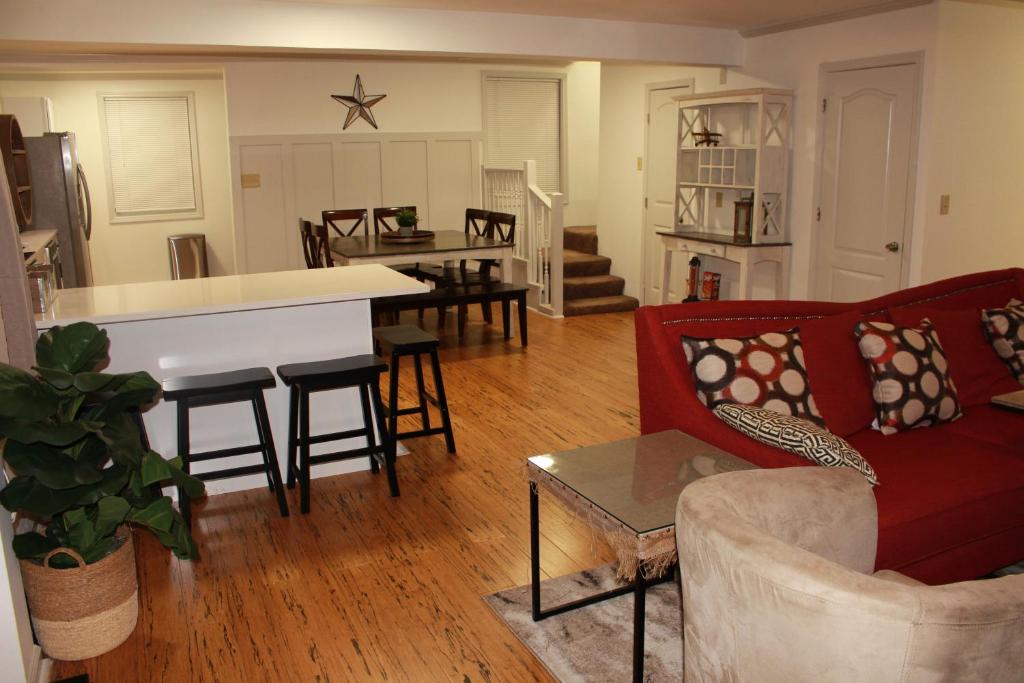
(359, 104)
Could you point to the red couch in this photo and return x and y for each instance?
(951, 497)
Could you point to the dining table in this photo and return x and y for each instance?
(446, 247)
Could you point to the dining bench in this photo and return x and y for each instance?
(462, 296)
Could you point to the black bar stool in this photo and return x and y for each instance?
(409, 340)
(198, 391)
(307, 378)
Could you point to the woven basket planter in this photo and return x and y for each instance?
(85, 611)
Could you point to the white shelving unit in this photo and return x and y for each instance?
(751, 159)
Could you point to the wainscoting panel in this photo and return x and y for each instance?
(301, 175)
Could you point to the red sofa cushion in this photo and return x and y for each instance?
(940, 490)
(993, 425)
(977, 371)
(837, 374)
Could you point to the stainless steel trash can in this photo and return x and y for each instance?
(188, 256)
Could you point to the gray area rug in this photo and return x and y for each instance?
(595, 643)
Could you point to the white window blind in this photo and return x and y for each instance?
(151, 154)
(524, 121)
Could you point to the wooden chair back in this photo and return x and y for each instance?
(315, 247)
(502, 226)
(335, 219)
(476, 221)
(383, 213)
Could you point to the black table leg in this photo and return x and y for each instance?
(639, 618)
(535, 552)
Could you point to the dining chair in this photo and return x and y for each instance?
(383, 213)
(315, 247)
(335, 219)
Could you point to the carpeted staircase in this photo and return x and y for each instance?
(588, 287)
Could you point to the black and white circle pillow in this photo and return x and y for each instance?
(766, 370)
(1005, 330)
(912, 386)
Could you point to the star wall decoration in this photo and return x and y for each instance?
(358, 104)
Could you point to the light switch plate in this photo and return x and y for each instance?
(639, 163)
(944, 205)
(250, 180)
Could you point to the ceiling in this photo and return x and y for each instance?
(748, 16)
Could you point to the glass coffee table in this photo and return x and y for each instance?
(627, 490)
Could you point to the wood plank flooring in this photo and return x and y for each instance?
(367, 587)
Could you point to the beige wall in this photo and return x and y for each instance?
(422, 97)
(137, 252)
(977, 141)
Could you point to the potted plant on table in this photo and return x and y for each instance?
(407, 221)
(83, 475)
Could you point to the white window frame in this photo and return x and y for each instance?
(563, 111)
(197, 185)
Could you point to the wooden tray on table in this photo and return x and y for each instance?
(415, 238)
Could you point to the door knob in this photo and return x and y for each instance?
(893, 246)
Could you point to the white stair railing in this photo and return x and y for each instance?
(538, 234)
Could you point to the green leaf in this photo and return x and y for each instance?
(130, 390)
(45, 431)
(23, 396)
(25, 493)
(110, 512)
(179, 540)
(158, 515)
(90, 382)
(154, 469)
(122, 439)
(77, 347)
(100, 549)
(49, 466)
(115, 478)
(81, 531)
(55, 377)
(32, 545)
(194, 488)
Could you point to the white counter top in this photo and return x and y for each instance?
(177, 298)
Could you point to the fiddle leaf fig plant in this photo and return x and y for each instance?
(81, 469)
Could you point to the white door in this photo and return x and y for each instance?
(870, 128)
(660, 183)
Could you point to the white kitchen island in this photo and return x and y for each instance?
(185, 327)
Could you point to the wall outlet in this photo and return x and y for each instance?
(718, 200)
(944, 205)
(250, 180)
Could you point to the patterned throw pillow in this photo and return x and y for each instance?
(767, 371)
(1005, 329)
(796, 436)
(912, 386)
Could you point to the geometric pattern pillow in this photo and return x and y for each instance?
(912, 386)
(1005, 329)
(766, 371)
(796, 436)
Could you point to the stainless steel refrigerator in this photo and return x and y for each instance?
(60, 201)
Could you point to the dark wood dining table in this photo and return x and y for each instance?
(446, 247)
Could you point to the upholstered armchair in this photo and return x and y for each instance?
(777, 584)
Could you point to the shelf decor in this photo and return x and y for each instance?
(359, 104)
(747, 157)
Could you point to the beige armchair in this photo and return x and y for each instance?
(777, 583)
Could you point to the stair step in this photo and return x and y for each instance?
(582, 238)
(578, 264)
(591, 286)
(600, 304)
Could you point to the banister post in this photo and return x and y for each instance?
(555, 253)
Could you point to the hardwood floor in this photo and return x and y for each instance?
(367, 587)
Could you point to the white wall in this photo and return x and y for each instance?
(338, 27)
(976, 142)
(137, 252)
(422, 97)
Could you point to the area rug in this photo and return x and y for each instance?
(595, 643)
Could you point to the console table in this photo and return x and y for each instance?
(723, 247)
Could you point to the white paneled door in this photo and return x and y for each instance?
(660, 183)
(866, 184)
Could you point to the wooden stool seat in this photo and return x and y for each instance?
(409, 340)
(218, 388)
(362, 372)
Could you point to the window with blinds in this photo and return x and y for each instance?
(152, 159)
(523, 120)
